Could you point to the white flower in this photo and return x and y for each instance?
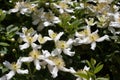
(30, 41)
(23, 7)
(42, 40)
(54, 36)
(94, 37)
(58, 65)
(63, 7)
(64, 46)
(15, 68)
(81, 37)
(34, 56)
(88, 37)
(90, 22)
(116, 22)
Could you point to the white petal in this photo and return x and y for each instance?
(24, 46)
(46, 23)
(115, 24)
(35, 37)
(93, 45)
(53, 70)
(37, 64)
(50, 32)
(7, 64)
(35, 46)
(36, 21)
(58, 36)
(69, 42)
(69, 10)
(19, 71)
(56, 20)
(56, 52)
(86, 68)
(49, 62)
(71, 70)
(47, 38)
(10, 75)
(46, 53)
(14, 10)
(61, 10)
(26, 59)
(3, 77)
(68, 52)
(105, 37)
(19, 62)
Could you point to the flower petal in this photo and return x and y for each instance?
(58, 36)
(22, 71)
(68, 52)
(53, 70)
(37, 64)
(24, 46)
(26, 59)
(10, 75)
(7, 64)
(105, 37)
(93, 45)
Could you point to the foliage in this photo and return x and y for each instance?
(59, 39)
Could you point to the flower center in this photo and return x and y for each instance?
(93, 37)
(61, 44)
(15, 66)
(58, 61)
(53, 35)
(34, 54)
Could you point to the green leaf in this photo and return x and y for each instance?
(98, 68)
(102, 78)
(89, 64)
(82, 74)
(11, 29)
(93, 61)
(2, 15)
(4, 44)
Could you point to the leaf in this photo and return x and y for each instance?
(4, 44)
(98, 68)
(102, 78)
(2, 15)
(89, 64)
(11, 29)
(82, 74)
(93, 61)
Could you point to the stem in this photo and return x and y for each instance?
(30, 72)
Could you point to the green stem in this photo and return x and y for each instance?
(30, 72)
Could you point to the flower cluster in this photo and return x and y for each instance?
(59, 29)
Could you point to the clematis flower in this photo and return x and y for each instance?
(116, 22)
(54, 36)
(42, 40)
(50, 19)
(63, 7)
(58, 65)
(88, 37)
(34, 56)
(23, 8)
(15, 68)
(64, 46)
(94, 37)
(55, 63)
(81, 37)
(30, 41)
